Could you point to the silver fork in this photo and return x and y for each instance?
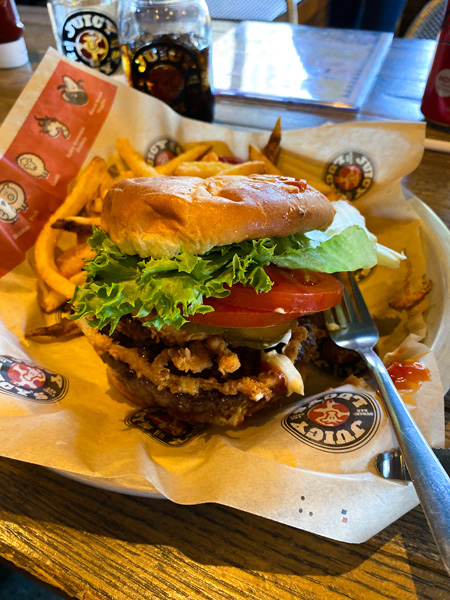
(351, 326)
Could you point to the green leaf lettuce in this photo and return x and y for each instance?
(167, 290)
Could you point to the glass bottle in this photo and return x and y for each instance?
(13, 52)
(436, 99)
(166, 52)
(86, 31)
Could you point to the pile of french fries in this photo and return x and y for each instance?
(62, 269)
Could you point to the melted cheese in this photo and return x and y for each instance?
(294, 381)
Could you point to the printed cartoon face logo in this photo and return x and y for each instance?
(25, 380)
(329, 413)
(164, 428)
(351, 172)
(338, 362)
(91, 37)
(12, 200)
(52, 127)
(161, 150)
(73, 91)
(32, 164)
(93, 46)
(335, 421)
(25, 376)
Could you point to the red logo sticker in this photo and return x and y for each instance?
(350, 172)
(329, 413)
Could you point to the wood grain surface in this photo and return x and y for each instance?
(93, 544)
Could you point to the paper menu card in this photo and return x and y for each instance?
(298, 64)
(309, 464)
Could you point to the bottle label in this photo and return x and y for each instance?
(170, 72)
(442, 83)
(91, 37)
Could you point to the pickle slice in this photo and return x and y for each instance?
(252, 337)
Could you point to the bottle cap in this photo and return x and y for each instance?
(13, 54)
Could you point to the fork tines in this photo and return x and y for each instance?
(352, 310)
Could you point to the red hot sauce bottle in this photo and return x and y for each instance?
(13, 52)
(436, 99)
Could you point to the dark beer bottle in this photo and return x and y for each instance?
(166, 52)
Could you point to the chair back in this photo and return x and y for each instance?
(428, 22)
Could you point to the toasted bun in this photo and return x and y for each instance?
(156, 216)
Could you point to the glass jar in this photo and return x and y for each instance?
(86, 31)
(166, 52)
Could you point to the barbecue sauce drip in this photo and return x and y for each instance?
(408, 375)
(281, 385)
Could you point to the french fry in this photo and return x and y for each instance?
(210, 157)
(134, 160)
(65, 328)
(52, 300)
(256, 155)
(84, 190)
(124, 175)
(115, 164)
(272, 147)
(246, 168)
(318, 184)
(106, 183)
(72, 222)
(288, 163)
(78, 278)
(189, 155)
(71, 261)
(217, 146)
(333, 196)
(200, 169)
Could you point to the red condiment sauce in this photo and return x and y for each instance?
(280, 386)
(408, 375)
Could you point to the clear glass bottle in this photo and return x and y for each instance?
(86, 31)
(166, 52)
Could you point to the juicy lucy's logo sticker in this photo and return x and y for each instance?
(25, 380)
(161, 150)
(168, 71)
(350, 172)
(335, 421)
(163, 428)
(91, 37)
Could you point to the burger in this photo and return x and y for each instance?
(200, 295)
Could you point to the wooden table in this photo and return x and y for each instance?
(92, 544)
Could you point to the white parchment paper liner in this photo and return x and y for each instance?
(261, 468)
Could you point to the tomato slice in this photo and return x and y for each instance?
(293, 290)
(294, 293)
(225, 315)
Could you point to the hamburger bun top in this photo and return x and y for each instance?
(157, 216)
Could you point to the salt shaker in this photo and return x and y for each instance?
(166, 52)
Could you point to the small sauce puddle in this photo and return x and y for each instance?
(408, 375)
